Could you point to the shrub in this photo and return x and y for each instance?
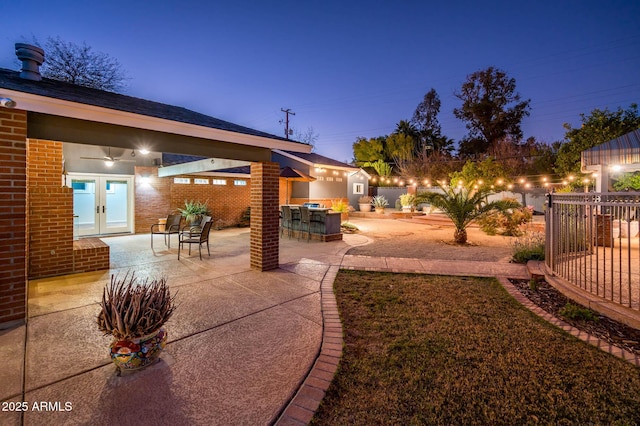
(339, 206)
(505, 222)
(407, 200)
(365, 199)
(529, 246)
(578, 313)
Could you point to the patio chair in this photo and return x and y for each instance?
(305, 222)
(202, 238)
(286, 221)
(171, 227)
(195, 230)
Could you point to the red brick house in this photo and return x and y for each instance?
(44, 122)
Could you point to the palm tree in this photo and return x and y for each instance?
(463, 205)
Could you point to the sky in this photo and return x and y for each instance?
(350, 69)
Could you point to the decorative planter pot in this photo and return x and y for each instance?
(138, 353)
(406, 209)
(365, 207)
(379, 210)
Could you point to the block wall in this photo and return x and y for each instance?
(13, 222)
(160, 196)
(50, 211)
(265, 242)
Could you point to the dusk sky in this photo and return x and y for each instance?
(350, 68)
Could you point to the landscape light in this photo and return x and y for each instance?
(616, 167)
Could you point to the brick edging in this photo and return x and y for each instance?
(582, 335)
(306, 401)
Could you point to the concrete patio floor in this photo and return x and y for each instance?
(240, 342)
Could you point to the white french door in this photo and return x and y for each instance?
(102, 204)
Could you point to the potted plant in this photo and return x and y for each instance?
(364, 203)
(134, 313)
(193, 211)
(379, 202)
(407, 201)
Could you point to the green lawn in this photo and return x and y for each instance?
(454, 350)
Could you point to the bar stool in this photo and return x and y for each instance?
(305, 220)
(286, 221)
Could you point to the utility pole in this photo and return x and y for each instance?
(286, 121)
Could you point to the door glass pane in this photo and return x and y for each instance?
(116, 204)
(84, 204)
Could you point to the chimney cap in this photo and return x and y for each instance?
(32, 57)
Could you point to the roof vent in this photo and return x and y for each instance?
(32, 57)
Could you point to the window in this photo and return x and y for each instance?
(219, 181)
(182, 181)
(201, 181)
(329, 178)
(338, 179)
(239, 182)
(358, 188)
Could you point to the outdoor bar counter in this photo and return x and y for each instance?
(324, 226)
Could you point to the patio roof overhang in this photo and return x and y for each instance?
(67, 121)
(623, 151)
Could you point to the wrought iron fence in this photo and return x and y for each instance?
(592, 242)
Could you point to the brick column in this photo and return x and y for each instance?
(265, 242)
(50, 211)
(13, 218)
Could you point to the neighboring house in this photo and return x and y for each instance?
(619, 155)
(47, 127)
(333, 179)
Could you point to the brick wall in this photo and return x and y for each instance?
(50, 211)
(265, 243)
(160, 196)
(90, 254)
(152, 199)
(13, 207)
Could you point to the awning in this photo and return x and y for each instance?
(622, 150)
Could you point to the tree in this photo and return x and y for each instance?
(599, 127)
(426, 165)
(484, 174)
(310, 137)
(79, 64)
(491, 108)
(464, 205)
(399, 146)
(425, 121)
(365, 150)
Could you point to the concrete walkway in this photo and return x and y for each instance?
(240, 342)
